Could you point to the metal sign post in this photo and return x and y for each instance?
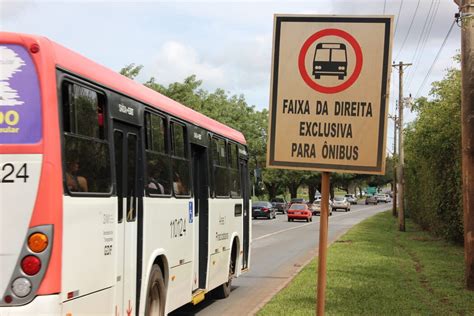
(323, 243)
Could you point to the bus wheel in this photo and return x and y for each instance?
(155, 298)
(223, 290)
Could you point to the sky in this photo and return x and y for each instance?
(228, 44)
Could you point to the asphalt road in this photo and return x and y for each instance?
(279, 250)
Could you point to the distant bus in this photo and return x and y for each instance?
(330, 59)
(114, 199)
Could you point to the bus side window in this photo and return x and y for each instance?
(234, 174)
(86, 149)
(220, 171)
(158, 161)
(180, 166)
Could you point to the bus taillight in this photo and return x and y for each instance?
(21, 287)
(31, 265)
(38, 242)
(34, 258)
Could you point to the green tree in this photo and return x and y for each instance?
(433, 160)
(131, 70)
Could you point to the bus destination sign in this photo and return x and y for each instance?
(329, 93)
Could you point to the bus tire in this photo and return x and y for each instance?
(156, 293)
(223, 290)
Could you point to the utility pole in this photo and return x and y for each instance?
(466, 16)
(395, 126)
(401, 179)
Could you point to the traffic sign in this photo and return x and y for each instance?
(329, 93)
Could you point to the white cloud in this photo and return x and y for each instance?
(238, 66)
(176, 61)
(11, 9)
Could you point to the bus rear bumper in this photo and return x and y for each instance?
(41, 305)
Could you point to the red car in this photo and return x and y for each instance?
(299, 211)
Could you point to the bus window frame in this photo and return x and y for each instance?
(213, 166)
(63, 79)
(229, 167)
(187, 155)
(148, 112)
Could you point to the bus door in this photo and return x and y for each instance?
(244, 179)
(199, 156)
(127, 162)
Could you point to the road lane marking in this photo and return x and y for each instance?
(291, 228)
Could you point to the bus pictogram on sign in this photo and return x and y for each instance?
(330, 59)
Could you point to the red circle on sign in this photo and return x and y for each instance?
(313, 38)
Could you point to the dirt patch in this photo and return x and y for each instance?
(344, 241)
(420, 238)
(419, 268)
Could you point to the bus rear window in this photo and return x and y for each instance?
(20, 101)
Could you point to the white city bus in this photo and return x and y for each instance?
(114, 199)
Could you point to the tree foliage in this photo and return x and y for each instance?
(234, 111)
(433, 160)
(131, 70)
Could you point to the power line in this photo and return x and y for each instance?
(435, 60)
(424, 39)
(422, 34)
(398, 18)
(409, 29)
(384, 5)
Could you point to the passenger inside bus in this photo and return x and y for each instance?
(178, 186)
(154, 187)
(75, 183)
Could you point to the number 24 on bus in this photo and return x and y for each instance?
(106, 211)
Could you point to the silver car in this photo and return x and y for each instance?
(341, 202)
(351, 198)
(316, 208)
(383, 198)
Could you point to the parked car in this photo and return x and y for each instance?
(371, 199)
(279, 204)
(340, 202)
(351, 198)
(299, 211)
(316, 208)
(263, 209)
(383, 198)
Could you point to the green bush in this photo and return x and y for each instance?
(433, 160)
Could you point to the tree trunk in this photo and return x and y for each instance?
(311, 192)
(293, 188)
(331, 191)
(272, 189)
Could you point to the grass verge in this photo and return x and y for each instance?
(376, 270)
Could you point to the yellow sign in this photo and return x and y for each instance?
(329, 93)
